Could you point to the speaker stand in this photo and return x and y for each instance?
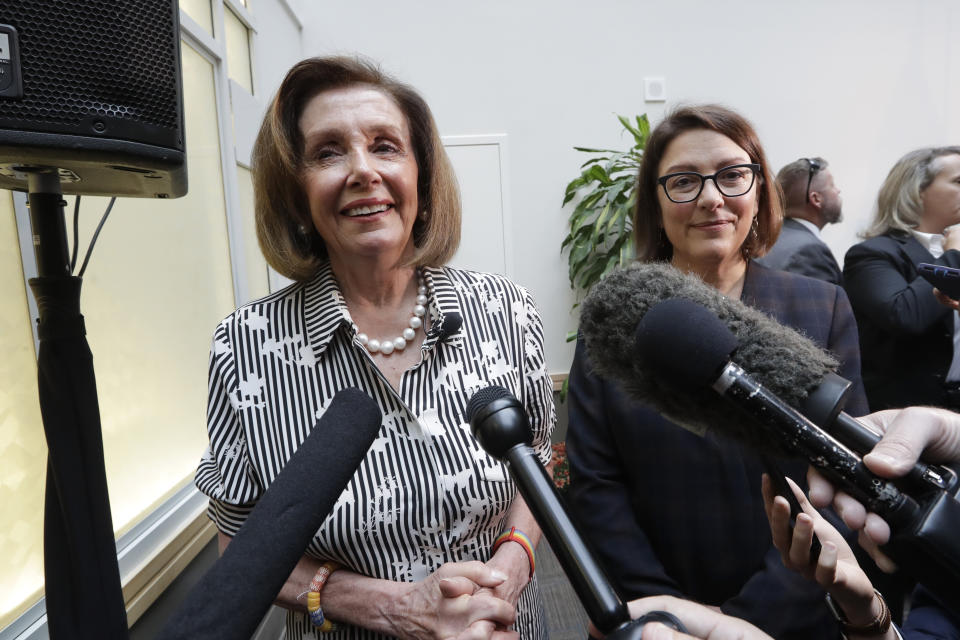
(82, 578)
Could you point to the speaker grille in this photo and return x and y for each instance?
(98, 67)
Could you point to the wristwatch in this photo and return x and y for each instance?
(879, 626)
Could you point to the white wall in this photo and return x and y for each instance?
(857, 82)
(278, 44)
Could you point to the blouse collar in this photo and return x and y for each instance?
(325, 309)
(932, 242)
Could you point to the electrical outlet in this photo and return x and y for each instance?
(655, 89)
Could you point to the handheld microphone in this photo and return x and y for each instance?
(785, 362)
(690, 347)
(499, 423)
(236, 592)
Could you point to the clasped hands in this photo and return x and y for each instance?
(466, 600)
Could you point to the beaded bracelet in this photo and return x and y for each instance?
(313, 597)
(518, 536)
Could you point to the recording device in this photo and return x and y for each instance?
(786, 363)
(234, 595)
(499, 423)
(690, 346)
(947, 279)
(774, 370)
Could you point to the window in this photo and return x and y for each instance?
(238, 50)
(162, 274)
(199, 10)
(23, 448)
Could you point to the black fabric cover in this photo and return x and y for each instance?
(684, 342)
(83, 595)
(234, 595)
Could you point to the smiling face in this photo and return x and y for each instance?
(708, 232)
(360, 174)
(941, 199)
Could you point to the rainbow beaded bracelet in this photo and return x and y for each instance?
(317, 618)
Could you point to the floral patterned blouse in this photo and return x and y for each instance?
(425, 493)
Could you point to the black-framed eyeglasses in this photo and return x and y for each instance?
(813, 165)
(732, 181)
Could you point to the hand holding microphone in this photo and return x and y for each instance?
(907, 434)
(703, 623)
(686, 374)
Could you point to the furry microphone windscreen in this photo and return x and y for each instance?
(782, 360)
(234, 595)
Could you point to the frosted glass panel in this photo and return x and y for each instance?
(23, 449)
(199, 10)
(238, 50)
(157, 284)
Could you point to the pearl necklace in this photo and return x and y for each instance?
(386, 347)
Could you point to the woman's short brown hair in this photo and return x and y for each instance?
(650, 242)
(285, 229)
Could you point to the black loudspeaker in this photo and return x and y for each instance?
(93, 88)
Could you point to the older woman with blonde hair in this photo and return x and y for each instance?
(357, 202)
(909, 340)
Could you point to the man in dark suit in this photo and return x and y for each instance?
(812, 201)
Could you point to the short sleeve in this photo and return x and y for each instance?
(537, 384)
(225, 473)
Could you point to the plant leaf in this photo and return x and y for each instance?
(596, 172)
(603, 197)
(637, 136)
(593, 160)
(643, 125)
(599, 222)
(588, 150)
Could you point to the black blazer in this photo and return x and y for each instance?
(669, 512)
(797, 250)
(906, 336)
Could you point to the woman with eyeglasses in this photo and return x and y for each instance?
(910, 342)
(669, 512)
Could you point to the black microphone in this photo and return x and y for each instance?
(785, 362)
(236, 592)
(500, 425)
(690, 348)
(451, 324)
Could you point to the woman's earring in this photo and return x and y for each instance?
(749, 245)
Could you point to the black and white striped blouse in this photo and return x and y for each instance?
(426, 493)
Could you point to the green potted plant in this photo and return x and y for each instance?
(601, 223)
(600, 230)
